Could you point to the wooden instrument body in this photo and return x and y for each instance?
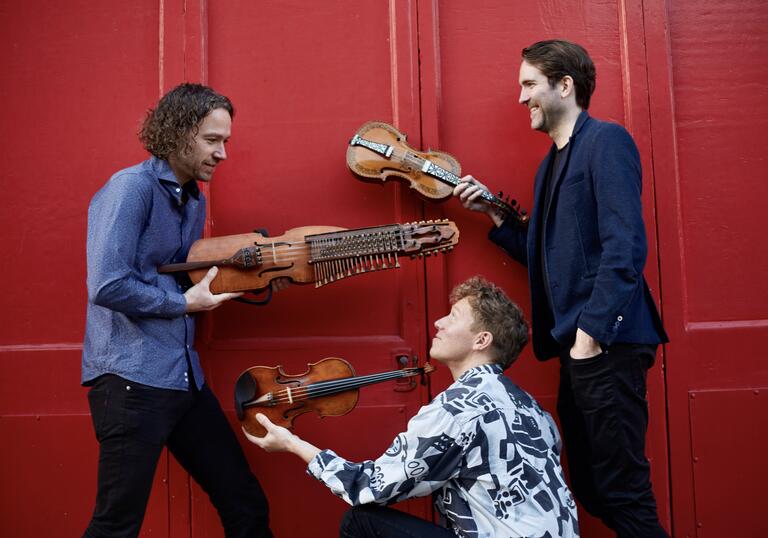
(291, 260)
(311, 254)
(329, 388)
(274, 379)
(379, 151)
(404, 166)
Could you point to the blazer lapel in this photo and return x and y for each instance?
(582, 119)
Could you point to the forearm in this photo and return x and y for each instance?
(304, 450)
(512, 239)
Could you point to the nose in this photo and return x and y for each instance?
(438, 323)
(220, 153)
(524, 97)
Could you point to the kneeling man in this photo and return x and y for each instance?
(483, 447)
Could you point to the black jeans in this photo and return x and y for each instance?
(133, 423)
(604, 416)
(372, 521)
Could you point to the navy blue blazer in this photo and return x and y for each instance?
(595, 245)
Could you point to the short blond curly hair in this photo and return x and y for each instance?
(496, 313)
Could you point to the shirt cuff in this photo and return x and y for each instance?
(319, 463)
(177, 304)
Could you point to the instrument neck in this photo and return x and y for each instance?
(326, 388)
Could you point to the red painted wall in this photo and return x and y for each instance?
(684, 77)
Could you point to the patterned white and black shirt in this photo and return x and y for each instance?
(485, 450)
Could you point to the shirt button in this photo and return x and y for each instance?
(620, 318)
(178, 189)
(127, 387)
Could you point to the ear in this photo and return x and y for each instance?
(483, 341)
(567, 86)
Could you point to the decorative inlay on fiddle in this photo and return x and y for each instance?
(379, 151)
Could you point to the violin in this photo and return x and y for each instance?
(379, 151)
(329, 388)
(319, 254)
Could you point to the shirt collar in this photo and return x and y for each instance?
(165, 174)
(483, 369)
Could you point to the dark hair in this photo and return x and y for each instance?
(496, 313)
(558, 58)
(179, 112)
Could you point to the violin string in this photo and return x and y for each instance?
(324, 388)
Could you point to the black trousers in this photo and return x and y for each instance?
(372, 521)
(133, 423)
(604, 417)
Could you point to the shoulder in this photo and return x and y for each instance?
(476, 392)
(137, 177)
(608, 134)
(129, 185)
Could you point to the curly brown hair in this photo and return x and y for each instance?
(177, 116)
(496, 313)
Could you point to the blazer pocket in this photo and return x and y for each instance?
(589, 271)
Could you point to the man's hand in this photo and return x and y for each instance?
(199, 296)
(279, 439)
(470, 192)
(585, 347)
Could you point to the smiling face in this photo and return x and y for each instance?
(455, 339)
(545, 103)
(199, 159)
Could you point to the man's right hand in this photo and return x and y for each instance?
(470, 192)
(200, 298)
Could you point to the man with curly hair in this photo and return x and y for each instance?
(483, 448)
(147, 389)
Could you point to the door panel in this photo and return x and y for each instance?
(298, 103)
(709, 114)
(77, 78)
(471, 56)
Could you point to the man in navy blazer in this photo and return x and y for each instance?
(585, 249)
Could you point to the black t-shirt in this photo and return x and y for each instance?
(554, 171)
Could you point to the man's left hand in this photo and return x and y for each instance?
(278, 439)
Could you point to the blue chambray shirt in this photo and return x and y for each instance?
(136, 326)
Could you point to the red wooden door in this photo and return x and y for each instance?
(470, 60)
(710, 111)
(303, 79)
(76, 77)
(683, 77)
